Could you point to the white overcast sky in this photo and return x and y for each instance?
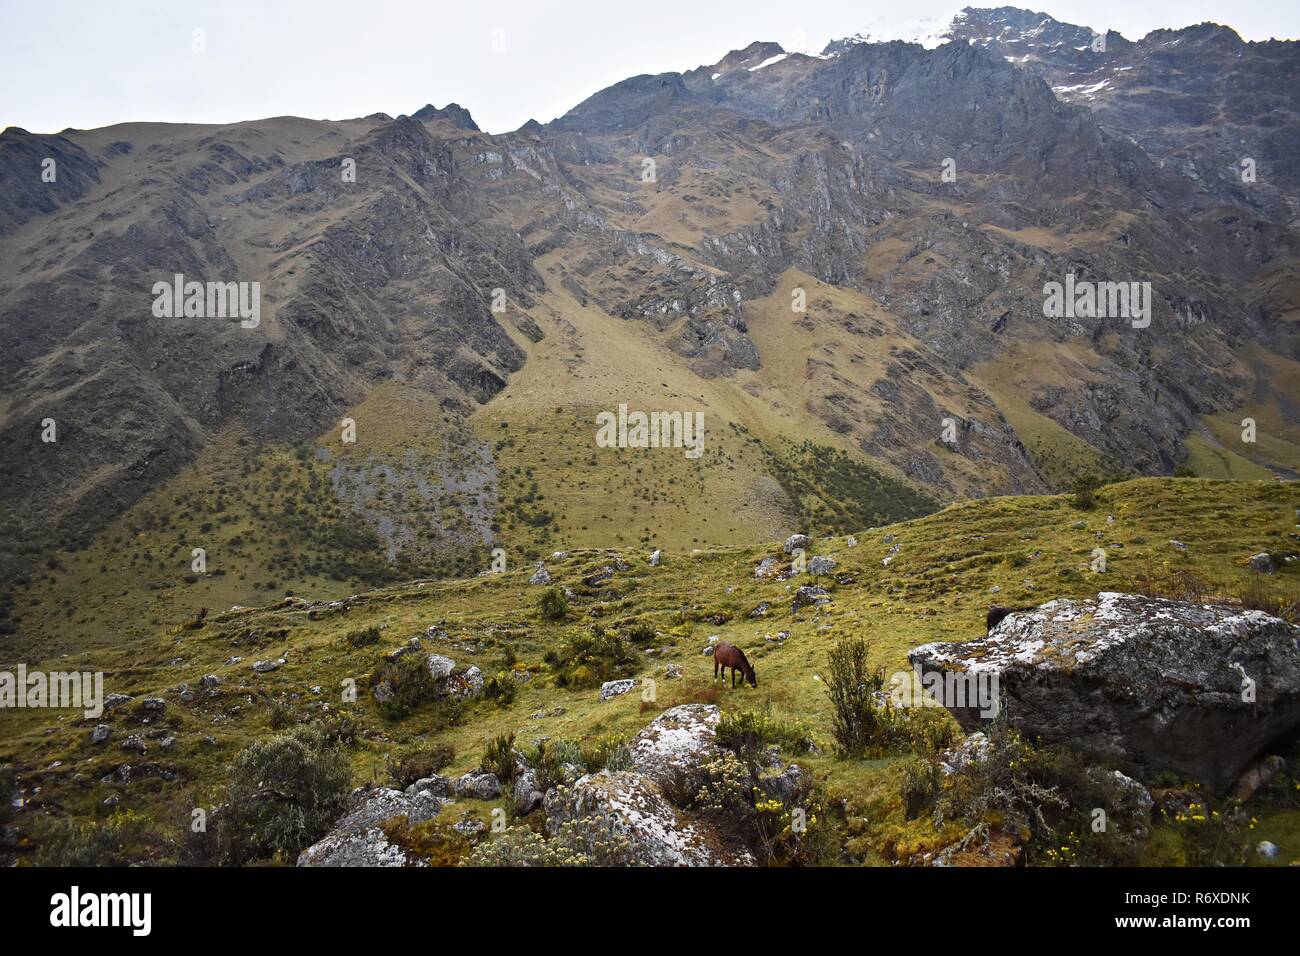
(90, 63)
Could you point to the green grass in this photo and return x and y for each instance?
(937, 588)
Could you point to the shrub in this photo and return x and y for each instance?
(860, 726)
(642, 632)
(589, 659)
(500, 689)
(407, 766)
(115, 842)
(790, 831)
(610, 753)
(1212, 837)
(749, 733)
(499, 758)
(553, 604)
(1083, 494)
(283, 795)
(363, 638)
(920, 786)
(280, 716)
(1255, 595)
(551, 757)
(339, 725)
(586, 841)
(411, 682)
(1011, 787)
(431, 841)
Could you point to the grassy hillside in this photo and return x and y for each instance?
(949, 567)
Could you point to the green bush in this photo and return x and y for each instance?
(586, 841)
(550, 758)
(412, 764)
(284, 794)
(590, 658)
(411, 682)
(115, 842)
(363, 638)
(642, 632)
(750, 733)
(860, 726)
(1084, 492)
(610, 753)
(553, 605)
(499, 758)
(920, 786)
(500, 689)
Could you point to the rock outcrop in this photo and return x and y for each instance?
(358, 840)
(658, 833)
(1157, 685)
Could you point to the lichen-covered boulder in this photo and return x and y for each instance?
(680, 739)
(634, 806)
(616, 688)
(358, 840)
(1157, 685)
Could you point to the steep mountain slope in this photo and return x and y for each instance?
(770, 240)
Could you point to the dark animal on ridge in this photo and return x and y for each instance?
(997, 613)
(724, 656)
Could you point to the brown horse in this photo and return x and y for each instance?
(724, 656)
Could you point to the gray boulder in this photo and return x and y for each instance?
(1156, 685)
(437, 785)
(357, 840)
(477, 785)
(809, 595)
(528, 793)
(441, 667)
(1262, 562)
(540, 576)
(821, 564)
(680, 739)
(634, 807)
(616, 688)
(796, 542)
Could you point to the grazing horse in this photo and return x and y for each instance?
(724, 656)
(997, 613)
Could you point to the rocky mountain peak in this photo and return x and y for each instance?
(753, 57)
(454, 112)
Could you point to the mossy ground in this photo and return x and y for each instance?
(944, 576)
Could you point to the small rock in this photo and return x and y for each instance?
(1262, 562)
(264, 667)
(135, 743)
(821, 564)
(796, 542)
(541, 575)
(100, 733)
(616, 688)
(116, 700)
(808, 595)
(655, 557)
(1266, 849)
(673, 671)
